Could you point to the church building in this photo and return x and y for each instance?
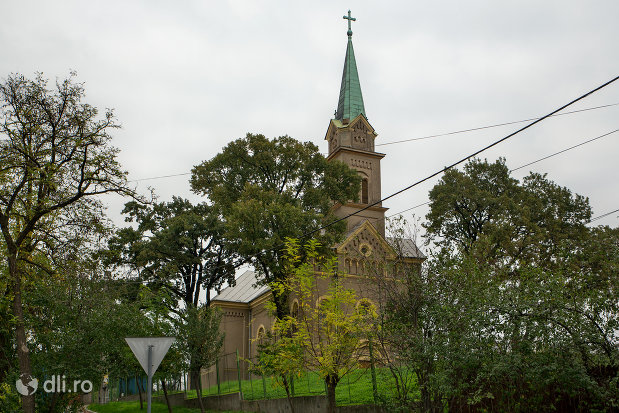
(350, 140)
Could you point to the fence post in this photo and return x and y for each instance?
(238, 373)
(217, 375)
(349, 397)
(374, 388)
(292, 384)
(251, 386)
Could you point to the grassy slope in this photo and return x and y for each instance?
(355, 388)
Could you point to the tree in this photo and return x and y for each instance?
(514, 311)
(268, 190)
(55, 156)
(178, 247)
(204, 342)
(328, 332)
(79, 311)
(507, 222)
(409, 308)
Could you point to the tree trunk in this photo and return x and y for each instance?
(137, 383)
(331, 381)
(199, 392)
(6, 336)
(52, 404)
(23, 354)
(165, 394)
(287, 388)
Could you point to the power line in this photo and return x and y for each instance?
(564, 150)
(602, 216)
(491, 126)
(515, 169)
(520, 167)
(159, 177)
(450, 166)
(485, 148)
(423, 137)
(408, 209)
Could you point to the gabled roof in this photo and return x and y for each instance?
(365, 225)
(338, 124)
(244, 291)
(405, 247)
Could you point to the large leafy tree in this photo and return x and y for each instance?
(178, 250)
(79, 310)
(517, 308)
(176, 247)
(483, 210)
(55, 155)
(270, 189)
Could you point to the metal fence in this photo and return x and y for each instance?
(232, 373)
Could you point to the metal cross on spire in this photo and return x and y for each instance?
(350, 19)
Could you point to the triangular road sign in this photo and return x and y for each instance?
(139, 346)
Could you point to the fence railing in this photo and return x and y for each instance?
(232, 374)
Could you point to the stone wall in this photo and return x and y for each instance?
(305, 404)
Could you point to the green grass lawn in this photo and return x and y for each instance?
(134, 407)
(354, 388)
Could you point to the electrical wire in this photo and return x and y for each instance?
(423, 137)
(485, 148)
(491, 126)
(520, 167)
(159, 177)
(564, 150)
(537, 120)
(603, 216)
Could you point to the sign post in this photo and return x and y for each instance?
(149, 351)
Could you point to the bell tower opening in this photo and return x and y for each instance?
(364, 191)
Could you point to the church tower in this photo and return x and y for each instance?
(351, 140)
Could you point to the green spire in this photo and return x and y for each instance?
(350, 103)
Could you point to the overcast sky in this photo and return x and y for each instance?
(187, 77)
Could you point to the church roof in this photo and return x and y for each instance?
(244, 291)
(406, 247)
(350, 104)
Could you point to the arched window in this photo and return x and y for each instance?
(364, 191)
(366, 308)
(260, 334)
(295, 310)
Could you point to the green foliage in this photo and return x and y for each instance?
(268, 190)
(9, 399)
(56, 156)
(177, 247)
(202, 336)
(483, 211)
(516, 311)
(81, 313)
(327, 332)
